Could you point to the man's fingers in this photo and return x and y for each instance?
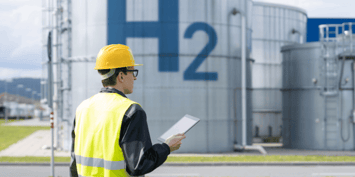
(182, 136)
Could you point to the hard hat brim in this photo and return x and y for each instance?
(97, 68)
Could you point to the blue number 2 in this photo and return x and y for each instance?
(190, 73)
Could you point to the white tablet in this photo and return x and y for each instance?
(182, 126)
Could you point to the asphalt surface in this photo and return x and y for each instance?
(166, 171)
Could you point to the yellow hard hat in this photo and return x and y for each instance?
(115, 56)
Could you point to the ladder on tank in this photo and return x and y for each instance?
(335, 41)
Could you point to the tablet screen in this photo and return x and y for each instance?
(182, 126)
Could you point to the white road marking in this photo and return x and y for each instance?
(333, 174)
(188, 174)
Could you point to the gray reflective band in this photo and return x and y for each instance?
(96, 162)
(107, 75)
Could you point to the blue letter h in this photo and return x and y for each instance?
(166, 29)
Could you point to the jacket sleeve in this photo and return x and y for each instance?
(73, 171)
(140, 155)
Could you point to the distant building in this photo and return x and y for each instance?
(17, 106)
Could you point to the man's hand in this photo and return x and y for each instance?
(174, 141)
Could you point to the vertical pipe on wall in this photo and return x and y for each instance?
(58, 84)
(244, 101)
(233, 12)
(50, 102)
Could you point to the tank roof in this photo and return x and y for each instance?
(280, 5)
(300, 46)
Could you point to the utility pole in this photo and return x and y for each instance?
(28, 113)
(18, 102)
(5, 101)
(33, 103)
(50, 97)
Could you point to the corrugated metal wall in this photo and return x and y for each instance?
(272, 26)
(312, 120)
(191, 56)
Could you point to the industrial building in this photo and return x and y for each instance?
(220, 61)
(17, 107)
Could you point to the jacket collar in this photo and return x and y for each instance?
(112, 90)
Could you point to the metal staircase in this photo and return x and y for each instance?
(336, 43)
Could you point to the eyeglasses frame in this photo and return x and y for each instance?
(134, 70)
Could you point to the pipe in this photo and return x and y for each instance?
(341, 103)
(293, 31)
(254, 147)
(233, 12)
(50, 101)
(244, 101)
(57, 85)
(341, 71)
(341, 120)
(50, 85)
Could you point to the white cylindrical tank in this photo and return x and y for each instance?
(191, 55)
(273, 26)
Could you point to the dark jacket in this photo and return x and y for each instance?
(140, 155)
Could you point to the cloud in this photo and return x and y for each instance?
(20, 34)
(7, 73)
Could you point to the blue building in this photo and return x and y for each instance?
(313, 23)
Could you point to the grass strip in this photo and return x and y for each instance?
(32, 159)
(260, 158)
(195, 159)
(12, 134)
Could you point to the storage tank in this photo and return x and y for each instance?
(313, 117)
(273, 25)
(190, 51)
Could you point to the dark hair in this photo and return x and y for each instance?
(111, 81)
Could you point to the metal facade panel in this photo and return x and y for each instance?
(272, 26)
(151, 29)
(89, 31)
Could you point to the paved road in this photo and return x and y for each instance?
(166, 171)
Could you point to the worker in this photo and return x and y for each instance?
(110, 135)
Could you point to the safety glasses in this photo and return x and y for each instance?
(135, 72)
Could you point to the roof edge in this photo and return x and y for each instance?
(280, 5)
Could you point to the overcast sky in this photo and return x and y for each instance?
(20, 31)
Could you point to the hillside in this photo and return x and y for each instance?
(32, 83)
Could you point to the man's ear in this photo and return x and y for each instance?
(120, 77)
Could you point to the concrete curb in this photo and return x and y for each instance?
(210, 164)
(32, 164)
(264, 164)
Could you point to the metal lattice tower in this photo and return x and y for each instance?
(56, 17)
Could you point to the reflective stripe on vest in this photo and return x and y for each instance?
(96, 162)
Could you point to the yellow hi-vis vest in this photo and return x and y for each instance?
(97, 133)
